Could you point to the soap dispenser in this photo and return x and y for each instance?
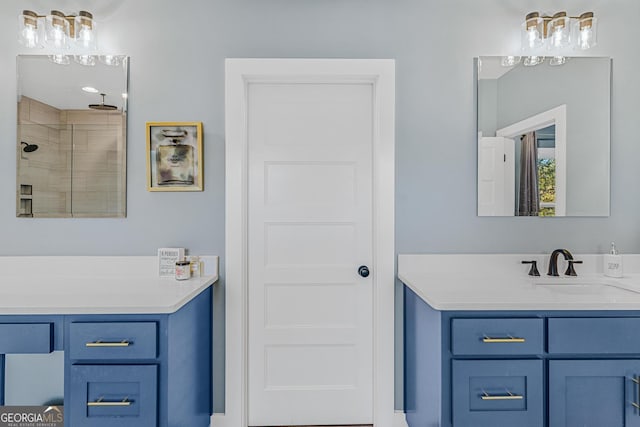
(612, 265)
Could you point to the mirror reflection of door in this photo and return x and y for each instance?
(513, 101)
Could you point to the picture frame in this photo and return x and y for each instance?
(174, 156)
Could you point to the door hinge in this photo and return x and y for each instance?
(505, 158)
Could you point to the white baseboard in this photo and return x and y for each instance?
(400, 420)
(219, 420)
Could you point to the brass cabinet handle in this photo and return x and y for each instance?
(100, 343)
(508, 339)
(637, 381)
(508, 396)
(101, 402)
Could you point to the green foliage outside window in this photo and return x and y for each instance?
(547, 184)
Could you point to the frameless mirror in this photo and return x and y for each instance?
(71, 138)
(543, 138)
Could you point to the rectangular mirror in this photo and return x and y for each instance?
(544, 138)
(71, 139)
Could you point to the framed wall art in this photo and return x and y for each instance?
(174, 156)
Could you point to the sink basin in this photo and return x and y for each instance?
(585, 288)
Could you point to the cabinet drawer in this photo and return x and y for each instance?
(614, 335)
(497, 336)
(26, 338)
(118, 340)
(497, 393)
(109, 395)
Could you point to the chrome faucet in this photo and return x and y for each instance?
(553, 261)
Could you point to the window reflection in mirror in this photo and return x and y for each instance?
(71, 139)
(566, 110)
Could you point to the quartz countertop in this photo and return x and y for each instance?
(95, 285)
(500, 282)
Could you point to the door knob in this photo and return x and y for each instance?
(363, 270)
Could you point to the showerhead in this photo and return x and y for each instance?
(102, 106)
(29, 148)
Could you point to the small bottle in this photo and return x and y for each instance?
(195, 265)
(612, 266)
(183, 270)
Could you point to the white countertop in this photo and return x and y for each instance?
(500, 282)
(95, 285)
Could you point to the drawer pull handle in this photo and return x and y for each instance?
(637, 381)
(508, 396)
(102, 402)
(508, 339)
(99, 343)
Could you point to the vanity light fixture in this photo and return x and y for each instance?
(554, 34)
(64, 35)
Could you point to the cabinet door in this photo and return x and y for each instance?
(113, 395)
(497, 393)
(594, 393)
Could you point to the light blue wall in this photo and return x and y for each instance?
(177, 54)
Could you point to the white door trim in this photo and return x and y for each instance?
(557, 116)
(239, 73)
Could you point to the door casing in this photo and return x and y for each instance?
(239, 73)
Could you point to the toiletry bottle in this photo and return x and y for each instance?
(612, 266)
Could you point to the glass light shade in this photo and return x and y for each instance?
(85, 31)
(60, 59)
(88, 60)
(559, 31)
(531, 61)
(28, 31)
(510, 61)
(112, 60)
(585, 31)
(557, 60)
(532, 31)
(56, 33)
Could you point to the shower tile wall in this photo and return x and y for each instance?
(90, 170)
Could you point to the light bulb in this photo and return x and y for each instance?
(60, 59)
(586, 36)
(557, 60)
(88, 60)
(28, 29)
(57, 30)
(29, 36)
(531, 31)
(510, 61)
(85, 37)
(531, 61)
(85, 34)
(586, 31)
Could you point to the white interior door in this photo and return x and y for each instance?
(496, 176)
(310, 315)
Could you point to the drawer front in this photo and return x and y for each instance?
(110, 395)
(497, 336)
(117, 340)
(616, 335)
(497, 393)
(26, 338)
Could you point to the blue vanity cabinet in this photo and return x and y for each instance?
(520, 368)
(140, 370)
(594, 393)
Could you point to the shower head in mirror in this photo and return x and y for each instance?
(29, 148)
(102, 106)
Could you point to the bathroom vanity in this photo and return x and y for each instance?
(494, 347)
(137, 348)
